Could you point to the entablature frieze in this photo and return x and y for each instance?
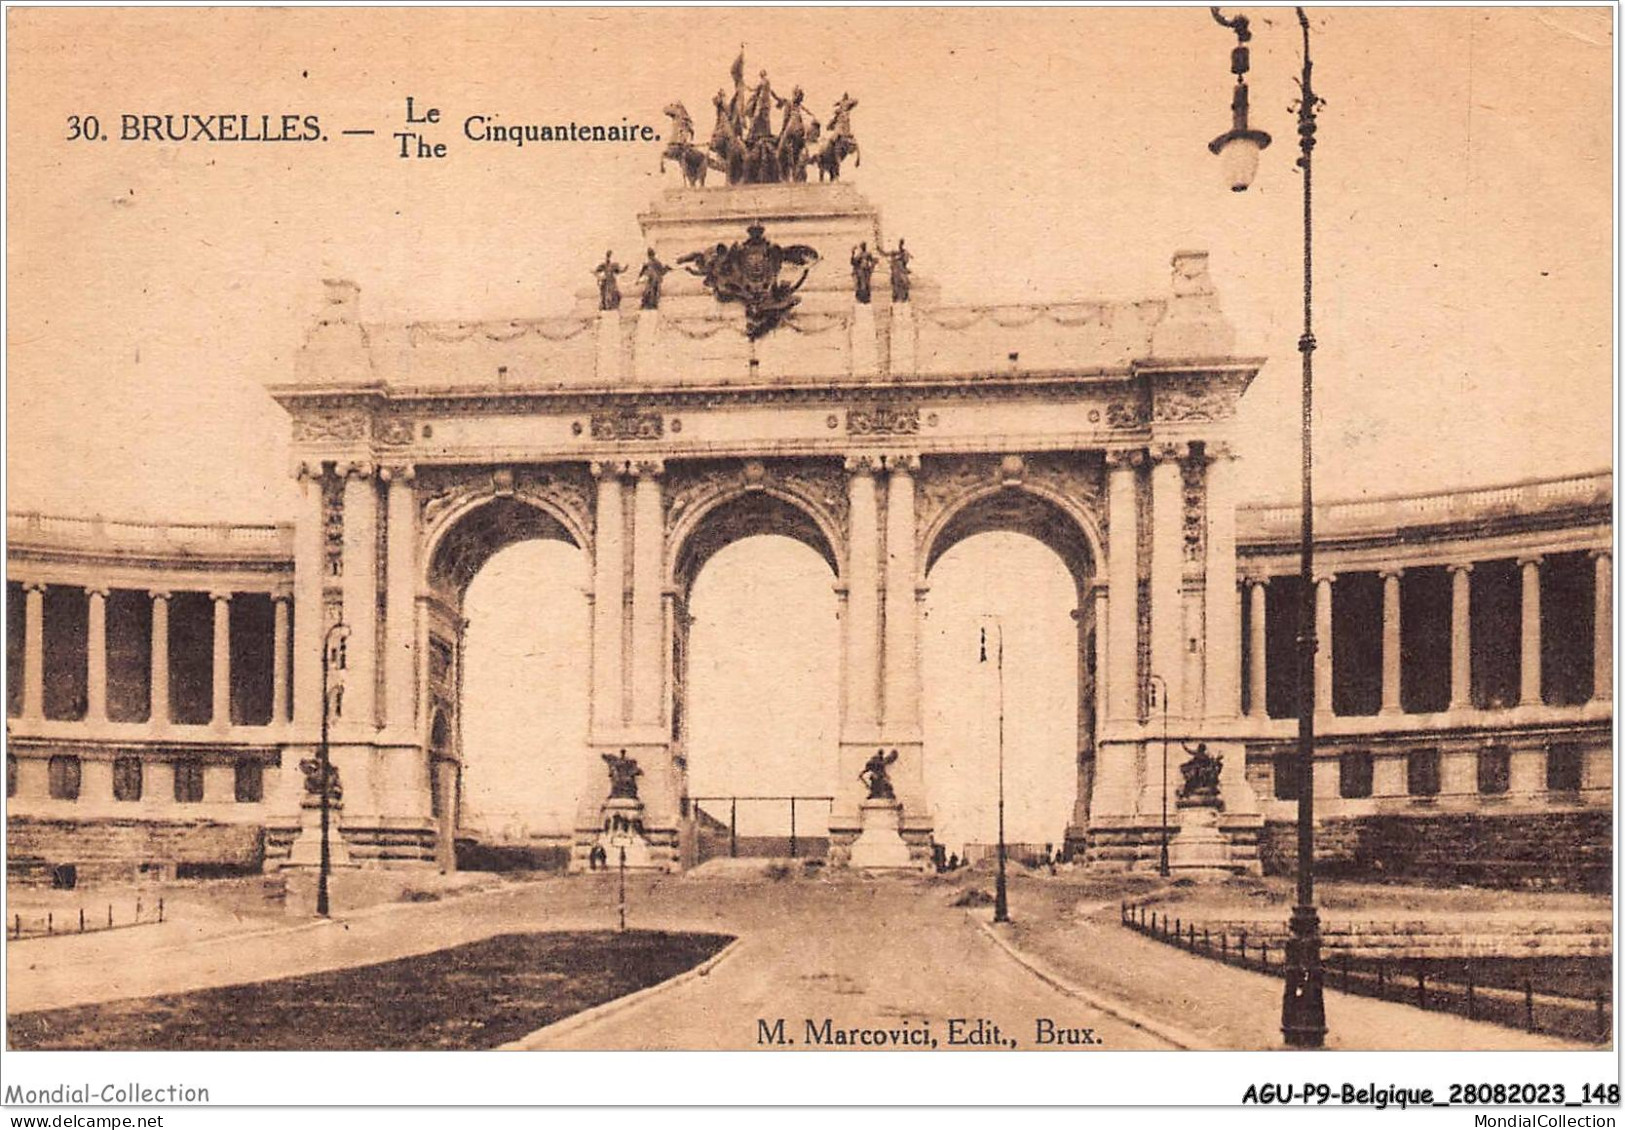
(1403, 550)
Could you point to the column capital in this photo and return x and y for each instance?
(102, 590)
(862, 463)
(650, 469)
(398, 472)
(309, 469)
(1527, 559)
(1219, 449)
(1325, 576)
(1600, 553)
(1170, 451)
(35, 586)
(160, 594)
(1256, 580)
(904, 462)
(220, 595)
(607, 470)
(1394, 572)
(284, 595)
(1121, 457)
(355, 468)
(1460, 566)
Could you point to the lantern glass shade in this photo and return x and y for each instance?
(1238, 153)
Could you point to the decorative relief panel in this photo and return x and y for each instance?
(628, 425)
(567, 486)
(821, 484)
(883, 420)
(333, 525)
(334, 425)
(1126, 414)
(392, 431)
(1192, 472)
(1193, 399)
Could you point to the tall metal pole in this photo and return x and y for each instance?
(1303, 1006)
(1001, 896)
(1161, 687)
(324, 760)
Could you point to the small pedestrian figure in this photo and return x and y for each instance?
(651, 276)
(609, 291)
(953, 862)
(863, 269)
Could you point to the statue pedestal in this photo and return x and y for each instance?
(621, 828)
(1199, 846)
(880, 846)
(307, 848)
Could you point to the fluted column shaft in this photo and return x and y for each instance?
(609, 599)
(309, 616)
(158, 715)
(220, 699)
(648, 615)
(1123, 581)
(1258, 657)
(1529, 635)
(863, 598)
(902, 605)
(96, 656)
(1461, 637)
(1167, 573)
(1602, 677)
(1323, 644)
(1222, 671)
(34, 650)
(400, 603)
(1391, 642)
(279, 658)
(361, 596)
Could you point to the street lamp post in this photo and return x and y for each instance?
(1303, 1006)
(337, 633)
(1001, 893)
(1159, 691)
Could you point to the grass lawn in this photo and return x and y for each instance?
(479, 995)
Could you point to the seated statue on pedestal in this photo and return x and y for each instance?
(875, 775)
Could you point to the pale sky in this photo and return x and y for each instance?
(1462, 178)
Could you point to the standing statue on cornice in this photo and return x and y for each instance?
(609, 291)
(651, 276)
(899, 260)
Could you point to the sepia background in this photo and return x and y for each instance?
(1464, 236)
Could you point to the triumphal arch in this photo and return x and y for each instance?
(775, 367)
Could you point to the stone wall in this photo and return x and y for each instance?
(121, 850)
(1567, 850)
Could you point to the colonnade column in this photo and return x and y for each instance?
(1323, 643)
(648, 615)
(902, 604)
(1222, 671)
(1602, 678)
(96, 656)
(863, 600)
(360, 595)
(1529, 636)
(1122, 675)
(1258, 653)
(309, 615)
(1167, 572)
(400, 604)
(1461, 636)
(1390, 641)
(609, 597)
(280, 603)
(34, 649)
(158, 713)
(220, 699)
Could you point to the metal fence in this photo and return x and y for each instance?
(84, 920)
(1464, 986)
(759, 827)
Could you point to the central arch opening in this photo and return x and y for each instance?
(758, 681)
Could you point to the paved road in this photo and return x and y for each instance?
(876, 961)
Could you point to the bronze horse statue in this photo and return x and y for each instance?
(681, 148)
(727, 148)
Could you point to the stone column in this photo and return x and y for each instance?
(1222, 645)
(609, 600)
(1529, 637)
(1123, 582)
(1168, 572)
(1258, 655)
(400, 602)
(1461, 637)
(863, 600)
(648, 619)
(279, 658)
(158, 713)
(309, 618)
(96, 656)
(902, 694)
(1390, 641)
(220, 700)
(360, 596)
(1603, 628)
(34, 650)
(1323, 643)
